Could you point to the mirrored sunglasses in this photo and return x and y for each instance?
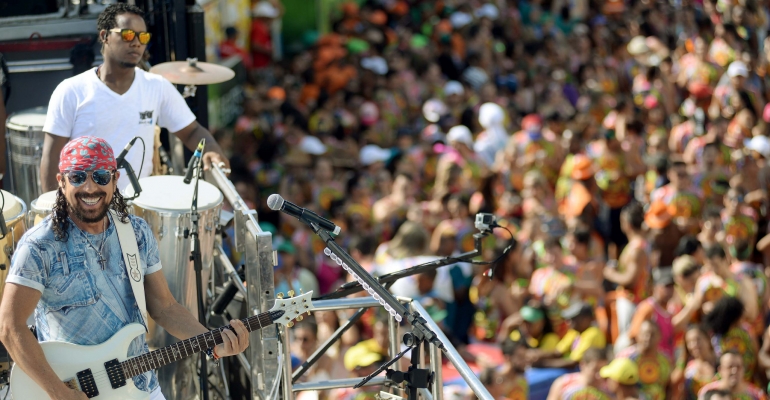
(101, 177)
(128, 35)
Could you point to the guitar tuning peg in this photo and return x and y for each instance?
(279, 295)
(290, 293)
(308, 313)
(290, 324)
(300, 318)
(301, 291)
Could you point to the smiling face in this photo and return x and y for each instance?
(88, 202)
(126, 54)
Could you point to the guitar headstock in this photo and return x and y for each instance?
(293, 308)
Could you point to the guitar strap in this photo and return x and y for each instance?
(130, 251)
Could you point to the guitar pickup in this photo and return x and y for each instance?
(87, 383)
(115, 373)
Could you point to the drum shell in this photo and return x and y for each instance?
(25, 146)
(16, 228)
(178, 380)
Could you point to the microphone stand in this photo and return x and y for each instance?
(415, 377)
(195, 257)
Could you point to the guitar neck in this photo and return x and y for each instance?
(179, 350)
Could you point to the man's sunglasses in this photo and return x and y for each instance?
(101, 177)
(128, 35)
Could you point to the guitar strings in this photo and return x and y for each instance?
(260, 325)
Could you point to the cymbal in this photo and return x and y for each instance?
(192, 72)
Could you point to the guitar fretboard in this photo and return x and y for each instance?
(179, 350)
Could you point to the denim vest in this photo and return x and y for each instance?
(81, 303)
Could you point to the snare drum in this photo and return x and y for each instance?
(40, 208)
(165, 204)
(14, 210)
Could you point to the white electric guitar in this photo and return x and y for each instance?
(104, 372)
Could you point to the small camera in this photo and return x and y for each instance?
(485, 222)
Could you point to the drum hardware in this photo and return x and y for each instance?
(195, 257)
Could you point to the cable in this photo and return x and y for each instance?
(500, 257)
(2, 195)
(144, 150)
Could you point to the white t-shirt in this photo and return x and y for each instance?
(84, 106)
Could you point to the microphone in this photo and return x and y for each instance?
(132, 179)
(122, 156)
(277, 203)
(195, 158)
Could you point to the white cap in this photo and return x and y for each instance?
(491, 114)
(453, 87)
(312, 145)
(459, 19)
(760, 144)
(488, 11)
(433, 110)
(371, 153)
(637, 46)
(737, 68)
(461, 134)
(264, 9)
(376, 64)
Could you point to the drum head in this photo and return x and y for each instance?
(45, 202)
(32, 118)
(13, 207)
(169, 192)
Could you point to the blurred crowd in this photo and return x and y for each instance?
(622, 145)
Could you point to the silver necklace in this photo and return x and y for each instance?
(101, 260)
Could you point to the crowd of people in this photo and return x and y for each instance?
(622, 145)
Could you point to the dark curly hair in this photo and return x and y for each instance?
(108, 18)
(60, 213)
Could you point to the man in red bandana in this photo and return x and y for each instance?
(69, 270)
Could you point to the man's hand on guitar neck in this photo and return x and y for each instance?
(71, 394)
(233, 344)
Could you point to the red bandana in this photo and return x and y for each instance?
(87, 153)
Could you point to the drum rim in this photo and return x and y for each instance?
(40, 110)
(22, 214)
(134, 203)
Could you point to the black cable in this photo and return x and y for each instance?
(2, 195)
(144, 150)
(500, 257)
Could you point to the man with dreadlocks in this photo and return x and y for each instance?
(118, 101)
(70, 271)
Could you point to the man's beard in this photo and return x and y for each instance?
(89, 217)
(126, 64)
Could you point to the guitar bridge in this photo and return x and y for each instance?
(87, 383)
(115, 373)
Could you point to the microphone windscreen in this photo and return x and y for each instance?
(275, 202)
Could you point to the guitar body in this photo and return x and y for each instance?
(68, 359)
(104, 371)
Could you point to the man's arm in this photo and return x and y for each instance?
(179, 322)
(627, 277)
(192, 134)
(18, 303)
(49, 164)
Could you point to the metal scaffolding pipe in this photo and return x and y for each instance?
(453, 356)
(337, 383)
(229, 269)
(435, 365)
(345, 304)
